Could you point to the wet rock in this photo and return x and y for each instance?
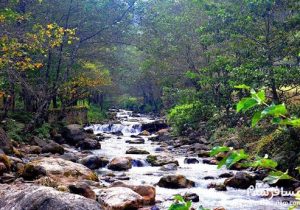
(219, 208)
(217, 187)
(175, 182)
(94, 162)
(190, 160)
(136, 141)
(159, 160)
(7, 178)
(120, 164)
(241, 180)
(83, 189)
(169, 167)
(232, 143)
(35, 150)
(63, 171)
(53, 148)
(89, 131)
(138, 163)
(25, 197)
(159, 149)
(145, 133)
(210, 161)
(3, 168)
(191, 197)
(6, 160)
(47, 182)
(133, 150)
(118, 198)
(70, 156)
(203, 153)
(148, 192)
(5, 143)
(39, 142)
(73, 133)
(89, 144)
(208, 177)
(154, 126)
(59, 139)
(226, 175)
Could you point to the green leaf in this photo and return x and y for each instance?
(222, 162)
(235, 157)
(275, 176)
(242, 86)
(246, 104)
(179, 198)
(292, 122)
(275, 110)
(264, 163)
(178, 206)
(260, 96)
(219, 149)
(256, 118)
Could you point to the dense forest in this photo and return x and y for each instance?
(215, 82)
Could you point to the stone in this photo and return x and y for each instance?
(208, 177)
(73, 133)
(169, 167)
(190, 160)
(136, 151)
(3, 168)
(70, 156)
(217, 187)
(120, 164)
(5, 143)
(154, 126)
(119, 198)
(175, 182)
(83, 189)
(159, 160)
(27, 196)
(94, 162)
(240, 180)
(226, 175)
(136, 141)
(89, 144)
(145, 133)
(53, 148)
(35, 150)
(148, 192)
(191, 197)
(62, 171)
(37, 141)
(210, 161)
(203, 153)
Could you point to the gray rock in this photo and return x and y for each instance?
(175, 182)
(94, 162)
(73, 133)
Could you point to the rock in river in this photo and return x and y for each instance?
(62, 171)
(136, 141)
(94, 162)
(120, 164)
(136, 151)
(89, 144)
(73, 133)
(175, 182)
(241, 180)
(28, 197)
(119, 198)
(159, 160)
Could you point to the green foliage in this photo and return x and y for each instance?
(96, 114)
(43, 131)
(184, 116)
(14, 129)
(129, 102)
(180, 204)
(275, 176)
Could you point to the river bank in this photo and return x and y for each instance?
(131, 163)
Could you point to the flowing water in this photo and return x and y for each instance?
(232, 199)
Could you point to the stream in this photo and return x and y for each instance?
(115, 146)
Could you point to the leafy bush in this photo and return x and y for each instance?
(175, 96)
(129, 102)
(184, 116)
(43, 131)
(14, 129)
(96, 114)
(21, 116)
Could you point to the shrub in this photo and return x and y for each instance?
(43, 131)
(96, 114)
(188, 115)
(129, 102)
(14, 129)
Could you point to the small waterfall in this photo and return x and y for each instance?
(126, 130)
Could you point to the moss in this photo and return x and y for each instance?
(151, 159)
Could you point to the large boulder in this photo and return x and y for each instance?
(73, 133)
(29, 197)
(175, 182)
(159, 160)
(119, 198)
(148, 192)
(94, 161)
(120, 164)
(241, 180)
(53, 148)
(154, 126)
(136, 151)
(89, 144)
(60, 170)
(5, 143)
